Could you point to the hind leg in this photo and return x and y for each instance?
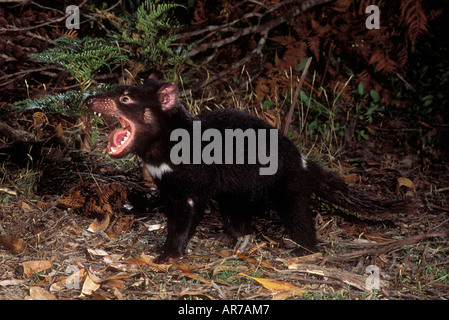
(236, 216)
(298, 219)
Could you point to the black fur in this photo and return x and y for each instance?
(241, 192)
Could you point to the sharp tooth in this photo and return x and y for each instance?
(123, 141)
(99, 114)
(95, 112)
(113, 150)
(128, 134)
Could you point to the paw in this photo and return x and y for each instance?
(162, 258)
(165, 257)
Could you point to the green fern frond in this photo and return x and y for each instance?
(82, 58)
(151, 33)
(65, 103)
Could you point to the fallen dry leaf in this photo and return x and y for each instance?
(37, 293)
(25, 207)
(264, 243)
(309, 258)
(100, 225)
(153, 227)
(74, 280)
(14, 244)
(149, 262)
(377, 172)
(114, 283)
(405, 182)
(225, 253)
(182, 267)
(195, 277)
(97, 252)
(272, 284)
(118, 294)
(59, 285)
(90, 285)
(284, 295)
(30, 267)
(94, 277)
(8, 191)
(253, 261)
(351, 178)
(379, 238)
(11, 282)
(121, 265)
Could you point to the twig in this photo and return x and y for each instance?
(439, 225)
(52, 207)
(238, 64)
(260, 29)
(437, 190)
(236, 33)
(296, 96)
(56, 224)
(20, 73)
(350, 278)
(216, 287)
(391, 246)
(5, 30)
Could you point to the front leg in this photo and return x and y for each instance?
(183, 218)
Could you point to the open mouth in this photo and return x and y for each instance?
(121, 138)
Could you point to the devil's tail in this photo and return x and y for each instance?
(330, 187)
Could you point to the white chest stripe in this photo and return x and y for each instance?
(157, 172)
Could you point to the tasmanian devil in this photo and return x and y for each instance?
(238, 160)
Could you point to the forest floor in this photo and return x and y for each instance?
(53, 248)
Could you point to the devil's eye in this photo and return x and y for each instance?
(125, 99)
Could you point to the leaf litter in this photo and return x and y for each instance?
(96, 235)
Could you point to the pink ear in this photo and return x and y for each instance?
(167, 95)
(152, 76)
